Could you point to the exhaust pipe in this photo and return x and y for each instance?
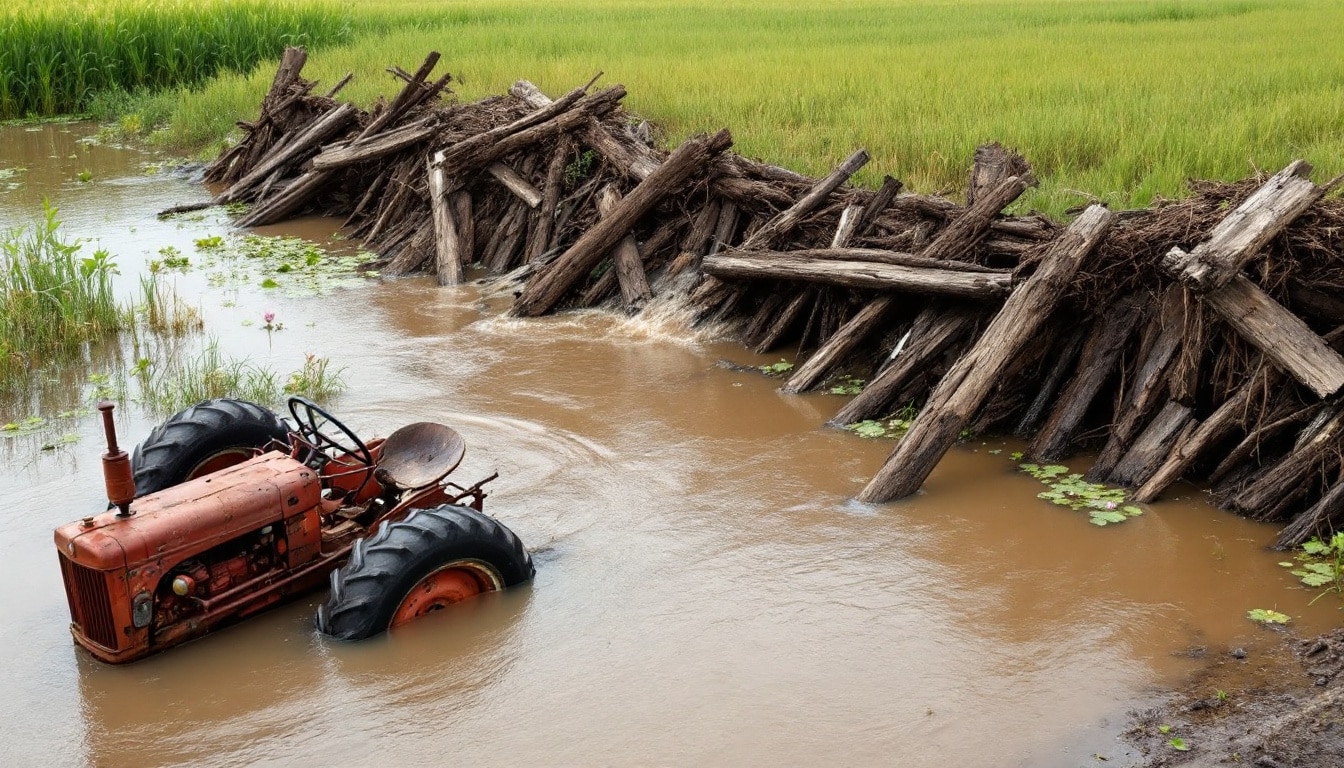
(116, 466)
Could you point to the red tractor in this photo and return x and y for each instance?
(226, 511)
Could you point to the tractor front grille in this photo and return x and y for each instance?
(90, 604)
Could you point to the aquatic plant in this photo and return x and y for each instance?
(1267, 616)
(847, 385)
(172, 381)
(1320, 564)
(53, 299)
(776, 369)
(1104, 505)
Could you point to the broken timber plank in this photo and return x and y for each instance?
(934, 330)
(963, 389)
(1217, 426)
(1246, 230)
(341, 155)
(840, 344)
(316, 133)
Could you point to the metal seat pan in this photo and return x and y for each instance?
(420, 454)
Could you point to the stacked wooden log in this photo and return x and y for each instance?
(1197, 339)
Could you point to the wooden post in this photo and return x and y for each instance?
(626, 261)
(448, 256)
(1217, 426)
(961, 391)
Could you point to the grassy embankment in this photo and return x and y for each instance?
(1120, 100)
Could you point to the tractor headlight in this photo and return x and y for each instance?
(142, 610)
(183, 586)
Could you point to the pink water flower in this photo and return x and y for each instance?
(1111, 505)
(268, 317)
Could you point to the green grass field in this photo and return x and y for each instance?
(1118, 100)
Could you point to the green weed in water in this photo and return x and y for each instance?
(1267, 616)
(293, 265)
(1319, 564)
(847, 385)
(54, 300)
(776, 369)
(174, 381)
(1103, 504)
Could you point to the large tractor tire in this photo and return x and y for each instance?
(204, 438)
(427, 561)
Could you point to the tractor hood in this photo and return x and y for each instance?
(195, 515)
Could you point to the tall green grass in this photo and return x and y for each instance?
(1116, 100)
(1122, 100)
(55, 55)
(53, 300)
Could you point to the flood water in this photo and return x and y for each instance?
(707, 591)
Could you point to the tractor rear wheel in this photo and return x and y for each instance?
(423, 563)
(204, 438)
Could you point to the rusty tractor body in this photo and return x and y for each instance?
(250, 527)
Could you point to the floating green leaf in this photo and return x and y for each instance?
(1266, 616)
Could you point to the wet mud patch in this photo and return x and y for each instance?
(1278, 705)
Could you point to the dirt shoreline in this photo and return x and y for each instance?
(1279, 704)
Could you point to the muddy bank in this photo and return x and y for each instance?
(1277, 704)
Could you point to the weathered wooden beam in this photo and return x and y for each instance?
(839, 345)
(626, 261)
(768, 235)
(1246, 230)
(515, 183)
(561, 116)
(963, 389)
(1218, 425)
(869, 256)
(1146, 454)
(927, 280)
(545, 290)
(1149, 385)
(1279, 335)
(319, 131)
(934, 330)
(539, 238)
(341, 155)
(958, 238)
(1322, 519)
(447, 245)
(786, 319)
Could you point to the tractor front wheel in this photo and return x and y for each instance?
(423, 563)
(204, 438)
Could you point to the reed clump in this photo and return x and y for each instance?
(54, 300)
(55, 56)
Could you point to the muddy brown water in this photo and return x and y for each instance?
(707, 592)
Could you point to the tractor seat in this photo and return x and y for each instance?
(420, 454)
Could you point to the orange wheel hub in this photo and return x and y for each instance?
(450, 584)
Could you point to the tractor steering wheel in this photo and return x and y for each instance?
(312, 420)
